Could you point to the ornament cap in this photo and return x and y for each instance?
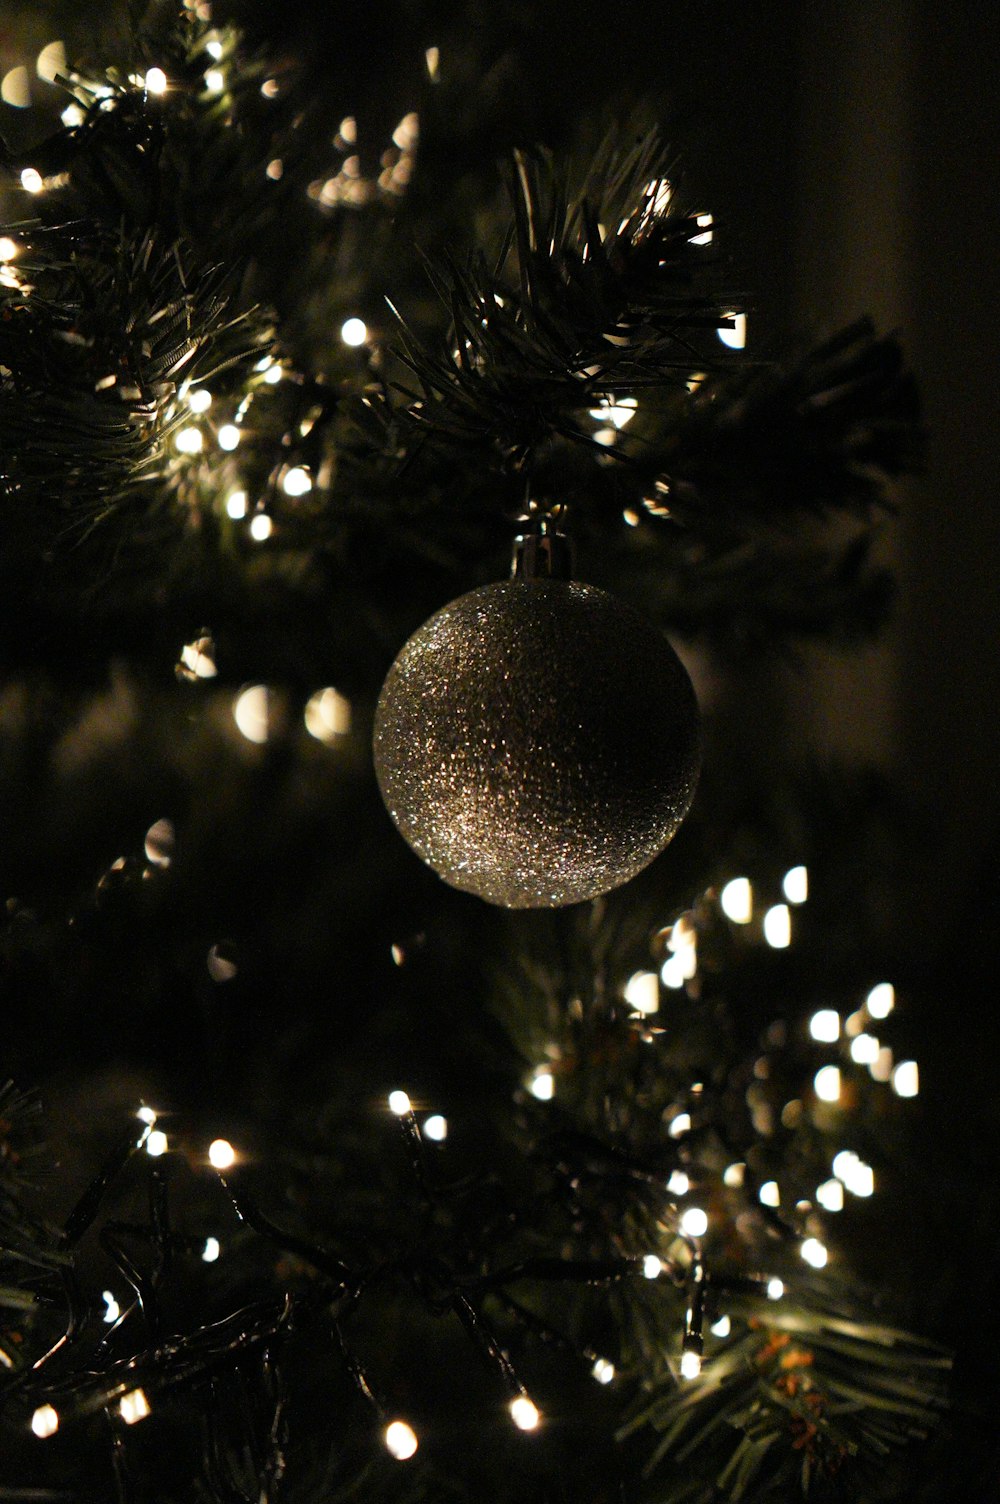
(542, 554)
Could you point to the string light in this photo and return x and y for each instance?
(251, 712)
(642, 992)
(679, 1184)
(543, 1084)
(354, 331)
(400, 1440)
(189, 440)
(146, 1115)
(15, 89)
(72, 116)
(778, 926)
(906, 1079)
(198, 658)
(134, 1407)
(112, 1310)
(736, 900)
(432, 57)
(297, 481)
(734, 335)
(680, 1125)
(703, 221)
(795, 885)
(228, 437)
(51, 62)
(159, 843)
(261, 527)
(215, 80)
(603, 1371)
(399, 1103)
(775, 1289)
(881, 1000)
(156, 1143)
(45, 1421)
(273, 375)
(690, 1364)
(824, 1026)
(865, 1049)
(615, 411)
(211, 1251)
(8, 248)
(236, 505)
(199, 399)
(826, 1083)
(436, 1128)
(722, 1327)
(328, 715)
(652, 1266)
(524, 1413)
(32, 180)
(221, 968)
(694, 1222)
(155, 81)
(672, 972)
(881, 1066)
(733, 1175)
(830, 1195)
(814, 1253)
(221, 1154)
(770, 1193)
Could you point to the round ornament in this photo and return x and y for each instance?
(536, 742)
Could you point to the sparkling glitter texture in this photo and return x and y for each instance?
(536, 743)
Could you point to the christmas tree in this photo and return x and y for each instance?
(323, 1177)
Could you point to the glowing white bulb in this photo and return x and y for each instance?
(844, 1163)
(189, 441)
(865, 1049)
(198, 658)
(15, 89)
(156, 1143)
(146, 1115)
(236, 505)
(155, 81)
(778, 926)
(906, 1079)
(328, 715)
(215, 80)
(32, 180)
(770, 1194)
(221, 1154)
(199, 399)
(680, 1125)
(722, 1327)
(694, 1222)
(795, 885)
(543, 1084)
(400, 1440)
(228, 436)
(354, 332)
(51, 61)
(45, 1421)
(690, 1365)
(679, 1184)
(603, 1371)
(134, 1407)
(436, 1128)
(826, 1083)
(261, 527)
(652, 1267)
(214, 50)
(211, 1251)
(8, 248)
(736, 900)
(112, 1310)
(881, 1000)
(642, 992)
(775, 1289)
(297, 481)
(736, 336)
(524, 1414)
(673, 971)
(617, 413)
(830, 1195)
(399, 1103)
(251, 712)
(860, 1178)
(273, 375)
(72, 115)
(881, 1066)
(825, 1025)
(733, 1175)
(814, 1253)
(703, 221)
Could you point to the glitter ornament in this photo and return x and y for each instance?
(536, 741)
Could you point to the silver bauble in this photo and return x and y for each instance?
(536, 742)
